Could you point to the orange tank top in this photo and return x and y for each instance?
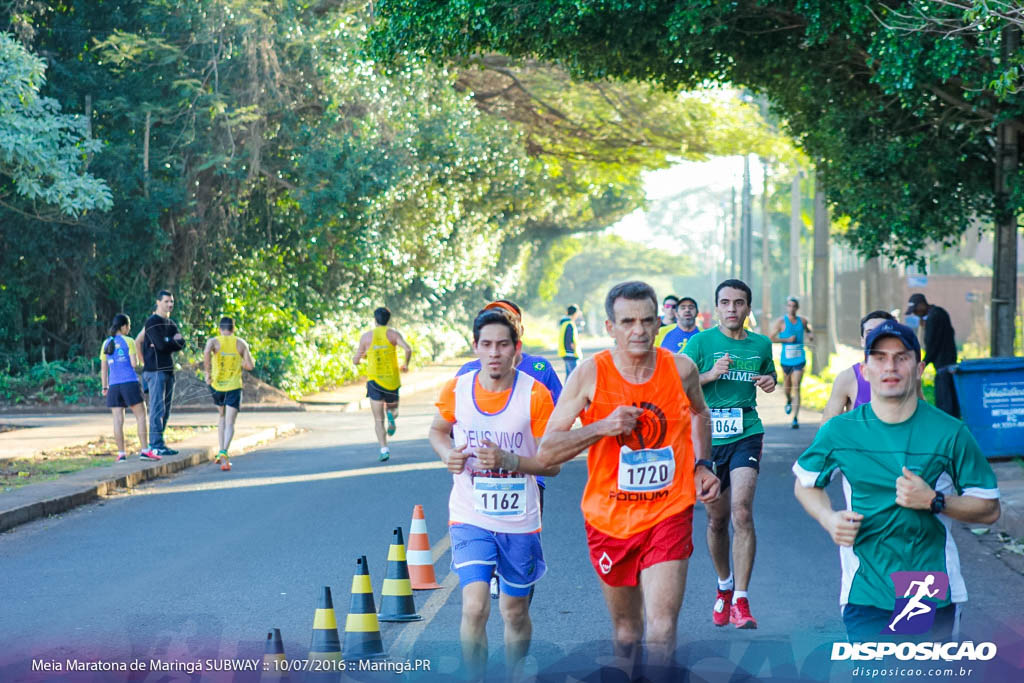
(637, 480)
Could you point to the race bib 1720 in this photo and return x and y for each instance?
(647, 469)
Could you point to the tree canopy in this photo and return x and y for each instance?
(263, 166)
(900, 122)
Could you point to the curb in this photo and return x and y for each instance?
(88, 493)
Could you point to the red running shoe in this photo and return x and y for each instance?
(740, 614)
(225, 466)
(720, 614)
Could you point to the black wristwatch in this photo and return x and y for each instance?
(707, 463)
(938, 503)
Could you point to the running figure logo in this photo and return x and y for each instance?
(914, 612)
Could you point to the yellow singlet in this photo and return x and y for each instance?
(227, 364)
(382, 361)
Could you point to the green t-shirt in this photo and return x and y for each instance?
(869, 455)
(751, 356)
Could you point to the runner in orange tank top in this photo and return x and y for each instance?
(648, 431)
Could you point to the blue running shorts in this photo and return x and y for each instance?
(518, 559)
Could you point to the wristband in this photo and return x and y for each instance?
(938, 503)
(707, 463)
(510, 462)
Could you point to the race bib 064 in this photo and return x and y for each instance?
(726, 422)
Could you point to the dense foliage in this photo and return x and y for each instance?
(900, 119)
(261, 165)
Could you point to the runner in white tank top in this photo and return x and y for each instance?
(496, 415)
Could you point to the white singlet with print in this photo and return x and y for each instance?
(507, 502)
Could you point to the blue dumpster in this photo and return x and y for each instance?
(991, 396)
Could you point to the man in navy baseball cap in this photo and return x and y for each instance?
(891, 328)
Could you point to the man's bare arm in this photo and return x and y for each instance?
(139, 339)
(700, 416)
(247, 360)
(208, 360)
(396, 338)
(842, 525)
(706, 484)
(441, 441)
(839, 400)
(915, 493)
(364, 345)
(561, 442)
(773, 334)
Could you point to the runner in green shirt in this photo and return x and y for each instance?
(733, 361)
(902, 463)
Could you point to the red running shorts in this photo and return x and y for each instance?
(619, 561)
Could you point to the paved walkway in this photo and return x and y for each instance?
(43, 432)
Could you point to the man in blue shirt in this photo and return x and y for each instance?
(674, 338)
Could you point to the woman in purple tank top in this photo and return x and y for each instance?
(863, 387)
(850, 389)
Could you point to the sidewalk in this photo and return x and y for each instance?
(40, 432)
(31, 502)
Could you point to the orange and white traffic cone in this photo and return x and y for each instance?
(418, 556)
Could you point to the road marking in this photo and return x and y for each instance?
(249, 482)
(292, 479)
(438, 598)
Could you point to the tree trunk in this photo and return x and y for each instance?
(734, 222)
(820, 288)
(1004, 261)
(746, 227)
(873, 285)
(796, 224)
(145, 157)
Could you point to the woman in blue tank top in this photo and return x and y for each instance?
(121, 384)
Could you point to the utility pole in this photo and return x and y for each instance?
(766, 276)
(1004, 262)
(796, 225)
(820, 279)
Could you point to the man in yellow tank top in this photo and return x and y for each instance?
(382, 374)
(224, 358)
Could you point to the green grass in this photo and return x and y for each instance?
(47, 466)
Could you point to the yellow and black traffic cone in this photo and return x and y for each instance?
(362, 630)
(396, 603)
(274, 664)
(325, 645)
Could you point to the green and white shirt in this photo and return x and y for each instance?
(869, 456)
(750, 357)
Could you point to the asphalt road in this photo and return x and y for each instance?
(201, 565)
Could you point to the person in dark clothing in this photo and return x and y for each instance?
(939, 349)
(158, 341)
